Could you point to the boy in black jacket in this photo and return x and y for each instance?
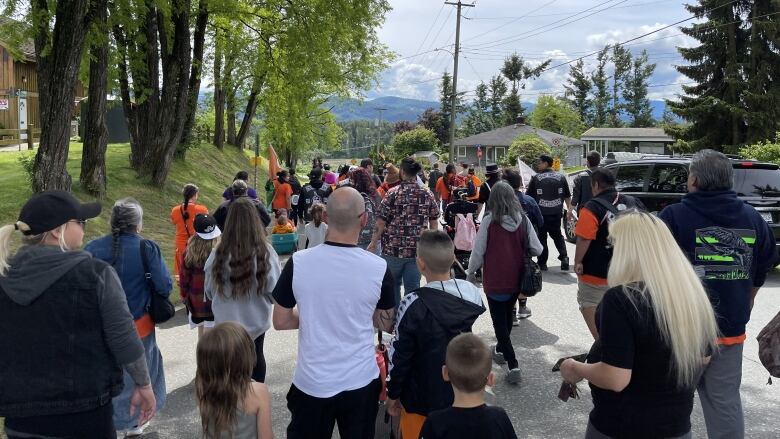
(467, 368)
(428, 318)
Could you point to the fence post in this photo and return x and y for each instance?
(29, 137)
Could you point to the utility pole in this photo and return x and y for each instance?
(379, 128)
(453, 110)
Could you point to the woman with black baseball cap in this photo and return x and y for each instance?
(67, 329)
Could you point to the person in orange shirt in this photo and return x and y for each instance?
(282, 193)
(451, 180)
(182, 217)
(477, 183)
(283, 224)
(593, 254)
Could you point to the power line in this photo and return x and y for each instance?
(558, 14)
(510, 39)
(422, 43)
(515, 20)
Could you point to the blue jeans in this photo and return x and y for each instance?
(403, 269)
(154, 361)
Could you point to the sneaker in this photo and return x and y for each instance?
(565, 264)
(498, 357)
(513, 376)
(524, 312)
(137, 431)
(515, 322)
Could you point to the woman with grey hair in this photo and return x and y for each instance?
(123, 250)
(504, 238)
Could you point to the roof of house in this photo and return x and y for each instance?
(504, 136)
(27, 47)
(636, 134)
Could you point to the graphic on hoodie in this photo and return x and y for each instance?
(724, 254)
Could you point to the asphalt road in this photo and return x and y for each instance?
(555, 330)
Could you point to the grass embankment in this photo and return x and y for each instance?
(206, 166)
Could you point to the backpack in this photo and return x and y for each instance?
(465, 232)
(769, 347)
(312, 196)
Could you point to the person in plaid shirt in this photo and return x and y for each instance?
(405, 212)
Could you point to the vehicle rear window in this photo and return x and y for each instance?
(757, 182)
(631, 178)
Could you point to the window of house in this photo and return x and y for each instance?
(461, 151)
(500, 151)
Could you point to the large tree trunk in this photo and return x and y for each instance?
(156, 122)
(93, 160)
(195, 76)
(732, 72)
(58, 51)
(249, 114)
(231, 116)
(219, 95)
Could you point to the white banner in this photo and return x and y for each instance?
(525, 172)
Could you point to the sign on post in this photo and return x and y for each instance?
(557, 164)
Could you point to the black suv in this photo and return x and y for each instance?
(661, 181)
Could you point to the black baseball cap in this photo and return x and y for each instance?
(206, 226)
(48, 210)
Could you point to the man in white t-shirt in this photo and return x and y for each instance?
(335, 294)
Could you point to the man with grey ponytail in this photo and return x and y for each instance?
(732, 249)
(68, 331)
(133, 257)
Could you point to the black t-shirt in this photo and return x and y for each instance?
(651, 406)
(468, 423)
(484, 189)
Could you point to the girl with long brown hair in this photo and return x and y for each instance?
(241, 273)
(231, 404)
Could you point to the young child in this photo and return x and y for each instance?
(230, 403)
(316, 230)
(283, 225)
(467, 368)
(428, 318)
(191, 275)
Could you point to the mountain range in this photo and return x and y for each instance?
(397, 109)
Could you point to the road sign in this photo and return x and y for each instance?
(557, 164)
(254, 161)
(557, 141)
(479, 151)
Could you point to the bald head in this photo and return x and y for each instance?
(345, 206)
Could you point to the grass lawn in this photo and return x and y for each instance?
(206, 166)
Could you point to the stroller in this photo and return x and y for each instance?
(451, 211)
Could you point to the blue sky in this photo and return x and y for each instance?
(536, 29)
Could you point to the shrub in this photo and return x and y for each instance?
(27, 160)
(528, 147)
(766, 151)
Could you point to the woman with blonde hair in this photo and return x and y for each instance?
(192, 277)
(657, 330)
(241, 273)
(231, 404)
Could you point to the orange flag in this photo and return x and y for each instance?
(273, 163)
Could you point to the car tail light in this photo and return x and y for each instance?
(747, 164)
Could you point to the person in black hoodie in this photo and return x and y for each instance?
(314, 192)
(731, 248)
(428, 319)
(240, 190)
(67, 329)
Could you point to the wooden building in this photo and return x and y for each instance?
(19, 99)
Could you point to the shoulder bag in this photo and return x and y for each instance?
(160, 308)
(531, 280)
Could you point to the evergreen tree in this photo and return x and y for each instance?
(762, 97)
(714, 106)
(497, 88)
(578, 90)
(433, 120)
(601, 95)
(478, 119)
(621, 61)
(517, 71)
(445, 104)
(635, 99)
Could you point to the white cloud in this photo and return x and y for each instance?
(410, 80)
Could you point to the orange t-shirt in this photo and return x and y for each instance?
(281, 193)
(442, 190)
(182, 227)
(477, 184)
(588, 228)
